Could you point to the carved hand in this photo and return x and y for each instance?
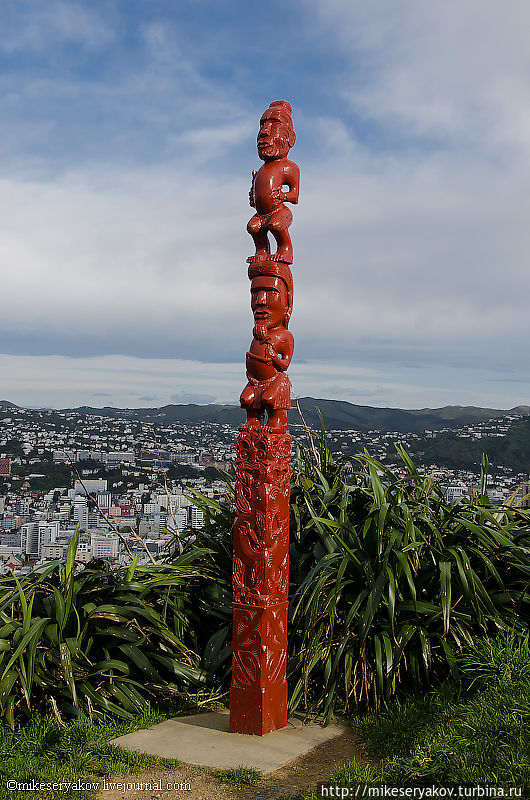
(251, 197)
(260, 332)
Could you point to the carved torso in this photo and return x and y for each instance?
(269, 180)
(259, 361)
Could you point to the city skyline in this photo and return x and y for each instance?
(127, 146)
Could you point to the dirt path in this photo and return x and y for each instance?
(298, 777)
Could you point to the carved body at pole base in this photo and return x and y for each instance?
(258, 695)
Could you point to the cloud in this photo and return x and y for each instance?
(120, 257)
(418, 263)
(28, 25)
(454, 72)
(60, 381)
(127, 382)
(113, 83)
(185, 398)
(125, 172)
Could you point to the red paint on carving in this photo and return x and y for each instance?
(260, 577)
(261, 530)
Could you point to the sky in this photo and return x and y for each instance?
(127, 141)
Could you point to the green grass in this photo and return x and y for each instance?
(242, 776)
(475, 732)
(44, 751)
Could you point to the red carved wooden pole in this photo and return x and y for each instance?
(258, 694)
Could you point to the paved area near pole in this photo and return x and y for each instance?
(204, 739)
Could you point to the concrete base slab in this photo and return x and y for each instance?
(204, 739)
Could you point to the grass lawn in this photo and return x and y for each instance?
(473, 732)
(47, 752)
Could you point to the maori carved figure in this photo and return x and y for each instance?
(268, 388)
(260, 577)
(275, 138)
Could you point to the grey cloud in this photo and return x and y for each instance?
(191, 397)
(508, 379)
(424, 277)
(352, 393)
(405, 256)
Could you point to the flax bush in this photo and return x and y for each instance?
(391, 582)
(98, 640)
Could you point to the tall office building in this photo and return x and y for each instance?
(104, 500)
(80, 512)
(29, 539)
(196, 517)
(48, 533)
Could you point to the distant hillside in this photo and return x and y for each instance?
(337, 414)
(342, 415)
(469, 414)
(189, 414)
(7, 404)
(457, 452)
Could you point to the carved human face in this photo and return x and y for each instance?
(273, 136)
(268, 300)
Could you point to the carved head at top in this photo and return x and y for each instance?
(276, 133)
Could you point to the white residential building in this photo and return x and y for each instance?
(104, 545)
(196, 517)
(29, 539)
(83, 552)
(92, 486)
(52, 552)
(81, 513)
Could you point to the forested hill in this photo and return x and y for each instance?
(337, 414)
(455, 451)
(340, 415)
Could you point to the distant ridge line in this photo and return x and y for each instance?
(337, 415)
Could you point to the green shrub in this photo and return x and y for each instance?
(402, 581)
(211, 598)
(100, 640)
